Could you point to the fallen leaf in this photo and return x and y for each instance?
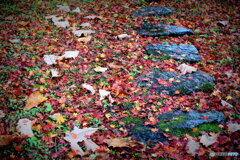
(80, 33)
(54, 73)
(222, 23)
(85, 39)
(76, 148)
(114, 65)
(15, 41)
(233, 127)
(56, 115)
(34, 100)
(207, 140)
(70, 54)
(122, 36)
(89, 87)
(24, 126)
(100, 69)
(85, 24)
(2, 114)
(93, 17)
(120, 142)
(77, 10)
(79, 135)
(104, 93)
(186, 68)
(63, 24)
(6, 140)
(50, 59)
(224, 103)
(63, 8)
(192, 146)
(60, 119)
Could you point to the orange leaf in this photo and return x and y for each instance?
(34, 100)
(120, 142)
(6, 140)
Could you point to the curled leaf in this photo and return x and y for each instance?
(77, 10)
(89, 87)
(25, 127)
(54, 73)
(104, 94)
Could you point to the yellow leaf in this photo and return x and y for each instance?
(228, 97)
(34, 100)
(108, 115)
(112, 126)
(52, 135)
(41, 88)
(171, 80)
(60, 120)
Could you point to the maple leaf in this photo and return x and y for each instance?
(6, 140)
(207, 140)
(34, 100)
(224, 103)
(63, 8)
(63, 24)
(60, 120)
(186, 68)
(79, 135)
(77, 10)
(192, 146)
(85, 24)
(120, 142)
(24, 126)
(89, 87)
(233, 127)
(2, 114)
(56, 115)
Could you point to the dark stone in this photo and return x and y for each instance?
(155, 11)
(186, 84)
(160, 29)
(176, 51)
(193, 118)
(144, 134)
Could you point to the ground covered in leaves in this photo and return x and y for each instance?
(84, 101)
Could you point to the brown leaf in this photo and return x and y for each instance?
(120, 142)
(6, 140)
(114, 65)
(186, 68)
(34, 100)
(207, 140)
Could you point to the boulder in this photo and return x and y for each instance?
(151, 10)
(176, 51)
(172, 83)
(160, 29)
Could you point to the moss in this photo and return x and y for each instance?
(129, 120)
(182, 90)
(206, 87)
(207, 127)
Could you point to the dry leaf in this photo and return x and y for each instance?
(15, 41)
(77, 149)
(63, 24)
(122, 36)
(77, 10)
(50, 59)
(85, 39)
(224, 103)
(79, 135)
(100, 69)
(120, 142)
(80, 33)
(114, 65)
(186, 68)
(222, 23)
(70, 54)
(104, 94)
(34, 100)
(207, 140)
(56, 115)
(89, 87)
(192, 146)
(85, 25)
(63, 8)
(6, 140)
(233, 127)
(2, 114)
(54, 73)
(25, 127)
(93, 17)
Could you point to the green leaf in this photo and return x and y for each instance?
(49, 107)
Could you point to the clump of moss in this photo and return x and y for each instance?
(206, 87)
(169, 127)
(130, 120)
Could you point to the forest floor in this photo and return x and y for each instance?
(94, 87)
